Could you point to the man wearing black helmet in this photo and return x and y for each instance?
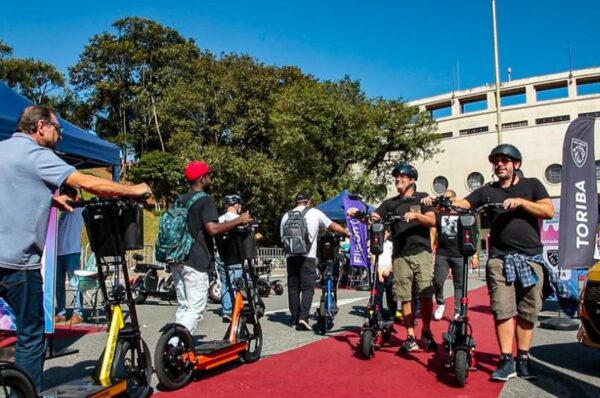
(233, 209)
(412, 258)
(514, 272)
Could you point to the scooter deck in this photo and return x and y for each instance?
(86, 387)
(210, 354)
(208, 347)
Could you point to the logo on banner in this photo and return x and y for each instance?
(550, 254)
(579, 151)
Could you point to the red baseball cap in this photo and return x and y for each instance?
(196, 169)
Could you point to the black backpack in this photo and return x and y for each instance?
(294, 236)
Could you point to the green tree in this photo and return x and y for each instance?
(162, 170)
(125, 75)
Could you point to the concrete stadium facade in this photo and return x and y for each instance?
(535, 112)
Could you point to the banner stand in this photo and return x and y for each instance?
(51, 354)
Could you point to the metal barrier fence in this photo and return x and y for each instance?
(274, 253)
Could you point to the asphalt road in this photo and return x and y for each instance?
(566, 368)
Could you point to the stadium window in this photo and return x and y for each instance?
(474, 181)
(474, 130)
(552, 173)
(440, 110)
(589, 114)
(445, 135)
(473, 104)
(551, 91)
(553, 119)
(514, 125)
(513, 98)
(440, 184)
(588, 86)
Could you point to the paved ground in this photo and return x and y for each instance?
(566, 368)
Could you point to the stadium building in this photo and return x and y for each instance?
(535, 114)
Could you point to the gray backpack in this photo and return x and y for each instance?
(294, 236)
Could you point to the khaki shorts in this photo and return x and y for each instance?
(416, 269)
(510, 300)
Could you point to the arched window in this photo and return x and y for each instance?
(474, 181)
(552, 173)
(440, 184)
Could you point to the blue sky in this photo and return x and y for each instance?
(397, 49)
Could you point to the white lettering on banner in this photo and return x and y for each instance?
(358, 249)
(582, 230)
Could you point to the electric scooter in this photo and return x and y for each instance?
(329, 269)
(458, 340)
(125, 366)
(150, 284)
(177, 356)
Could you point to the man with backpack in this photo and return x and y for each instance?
(299, 230)
(190, 267)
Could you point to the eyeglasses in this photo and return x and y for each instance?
(502, 160)
(58, 127)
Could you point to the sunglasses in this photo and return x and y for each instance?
(58, 127)
(502, 160)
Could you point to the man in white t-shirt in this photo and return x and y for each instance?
(302, 269)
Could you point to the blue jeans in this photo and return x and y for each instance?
(66, 265)
(227, 285)
(22, 290)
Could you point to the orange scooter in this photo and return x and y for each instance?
(177, 356)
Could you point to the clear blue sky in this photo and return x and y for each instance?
(396, 49)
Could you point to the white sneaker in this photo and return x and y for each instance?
(439, 312)
(173, 341)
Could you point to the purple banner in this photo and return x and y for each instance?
(578, 200)
(359, 254)
(49, 271)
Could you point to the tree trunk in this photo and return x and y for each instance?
(162, 144)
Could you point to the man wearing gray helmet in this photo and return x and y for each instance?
(515, 271)
(228, 274)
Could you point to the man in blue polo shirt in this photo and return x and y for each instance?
(30, 172)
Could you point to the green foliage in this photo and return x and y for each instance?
(162, 171)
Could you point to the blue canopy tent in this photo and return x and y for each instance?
(77, 147)
(334, 207)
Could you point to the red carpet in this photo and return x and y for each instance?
(330, 368)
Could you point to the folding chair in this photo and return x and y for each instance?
(86, 281)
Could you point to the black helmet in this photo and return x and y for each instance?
(232, 200)
(406, 169)
(507, 150)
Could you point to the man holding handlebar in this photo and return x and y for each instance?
(30, 172)
(515, 271)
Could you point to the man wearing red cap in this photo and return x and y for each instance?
(191, 276)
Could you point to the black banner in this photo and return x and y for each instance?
(578, 197)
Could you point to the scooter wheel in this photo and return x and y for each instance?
(16, 382)
(461, 367)
(251, 332)
(139, 297)
(321, 324)
(137, 364)
(214, 292)
(172, 370)
(278, 289)
(367, 344)
(386, 335)
(264, 289)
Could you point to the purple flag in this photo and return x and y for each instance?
(578, 200)
(359, 254)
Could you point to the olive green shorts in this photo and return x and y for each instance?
(510, 300)
(414, 270)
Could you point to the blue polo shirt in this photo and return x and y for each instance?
(29, 174)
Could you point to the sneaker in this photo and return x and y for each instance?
(428, 341)
(524, 369)
(438, 314)
(410, 344)
(60, 319)
(399, 314)
(303, 325)
(226, 318)
(456, 316)
(505, 370)
(76, 319)
(173, 341)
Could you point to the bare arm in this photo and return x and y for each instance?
(103, 187)
(543, 208)
(427, 219)
(214, 228)
(337, 228)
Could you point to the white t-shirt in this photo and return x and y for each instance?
(228, 217)
(385, 258)
(315, 219)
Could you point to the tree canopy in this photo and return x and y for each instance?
(269, 131)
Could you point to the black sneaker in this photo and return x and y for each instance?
(303, 325)
(505, 370)
(428, 341)
(524, 369)
(410, 344)
(226, 318)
